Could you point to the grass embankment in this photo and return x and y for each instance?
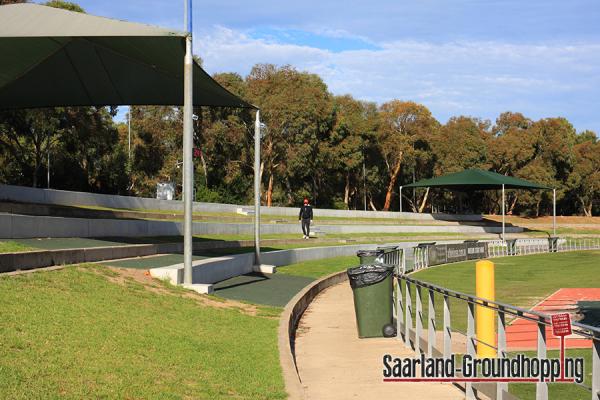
(547, 232)
(17, 245)
(76, 334)
(522, 281)
(269, 218)
(89, 331)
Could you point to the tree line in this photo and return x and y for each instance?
(336, 150)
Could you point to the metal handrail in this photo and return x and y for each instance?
(506, 308)
(413, 332)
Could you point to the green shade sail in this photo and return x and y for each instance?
(53, 57)
(476, 179)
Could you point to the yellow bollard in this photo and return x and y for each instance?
(485, 323)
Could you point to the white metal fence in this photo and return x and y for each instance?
(410, 324)
(516, 247)
(410, 315)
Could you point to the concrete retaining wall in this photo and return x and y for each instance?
(69, 198)
(217, 269)
(47, 258)
(14, 226)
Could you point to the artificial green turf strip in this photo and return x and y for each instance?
(67, 243)
(273, 289)
(319, 268)
(72, 334)
(280, 288)
(150, 262)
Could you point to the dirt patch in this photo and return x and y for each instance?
(121, 276)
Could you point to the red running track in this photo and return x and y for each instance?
(522, 334)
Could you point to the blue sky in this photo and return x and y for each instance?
(457, 57)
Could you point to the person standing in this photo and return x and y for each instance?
(306, 216)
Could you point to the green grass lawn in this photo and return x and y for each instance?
(559, 390)
(266, 217)
(562, 231)
(17, 245)
(74, 334)
(521, 281)
(78, 333)
(13, 247)
(400, 235)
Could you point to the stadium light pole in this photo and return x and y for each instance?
(188, 144)
(257, 189)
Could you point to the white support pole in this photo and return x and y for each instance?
(554, 212)
(430, 323)
(503, 216)
(419, 320)
(188, 144)
(541, 390)
(400, 199)
(129, 135)
(257, 189)
(48, 169)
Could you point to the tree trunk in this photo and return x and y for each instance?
(203, 161)
(260, 186)
(587, 208)
(347, 190)
(270, 191)
(288, 190)
(513, 204)
(390, 189)
(424, 202)
(371, 204)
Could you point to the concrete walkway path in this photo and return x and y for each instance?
(334, 364)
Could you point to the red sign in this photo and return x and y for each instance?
(561, 324)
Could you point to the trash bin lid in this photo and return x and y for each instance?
(426, 244)
(367, 275)
(369, 253)
(387, 248)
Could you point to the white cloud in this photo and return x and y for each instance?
(475, 78)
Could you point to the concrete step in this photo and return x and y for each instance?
(245, 211)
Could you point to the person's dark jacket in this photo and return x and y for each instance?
(306, 212)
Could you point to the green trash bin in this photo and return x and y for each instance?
(373, 305)
(368, 257)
